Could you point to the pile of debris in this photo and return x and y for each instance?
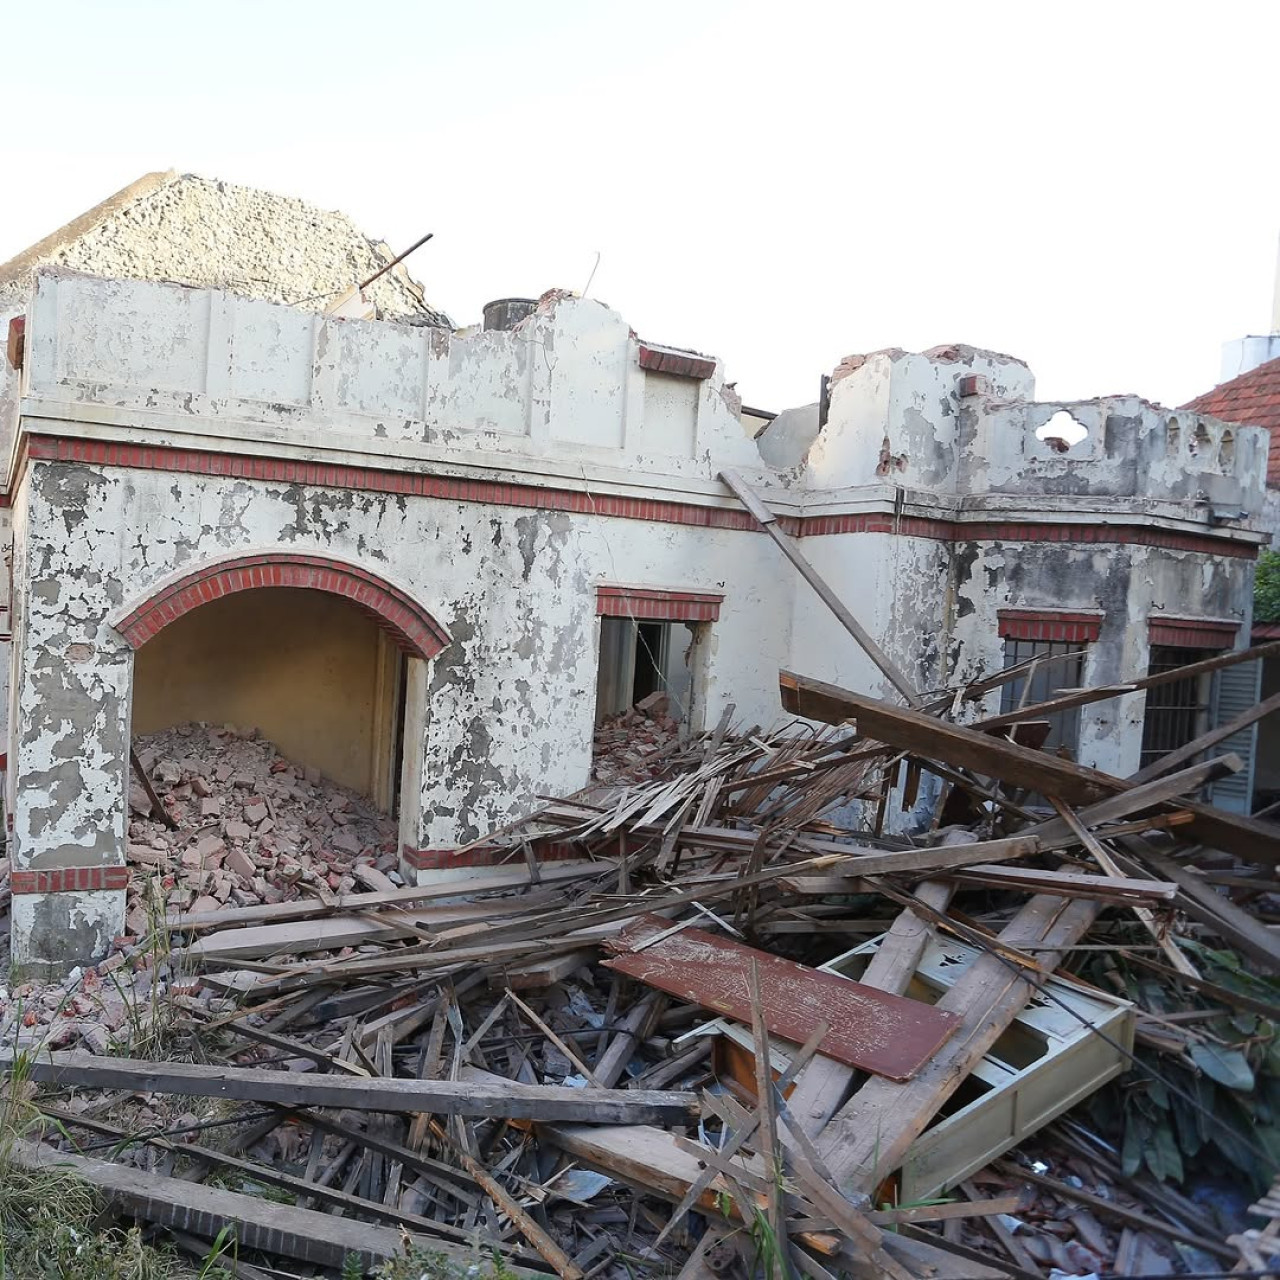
(626, 744)
(726, 1037)
(238, 823)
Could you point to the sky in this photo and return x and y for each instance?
(1091, 187)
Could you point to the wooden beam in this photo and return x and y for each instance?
(510, 1099)
(935, 739)
(253, 1222)
(824, 1084)
(769, 523)
(872, 1134)
(1071, 884)
(1103, 857)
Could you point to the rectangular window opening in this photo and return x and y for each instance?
(1046, 680)
(1177, 712)
(639, 659)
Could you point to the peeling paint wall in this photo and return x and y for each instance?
(544, 450)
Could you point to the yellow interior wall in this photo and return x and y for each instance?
(301, 666)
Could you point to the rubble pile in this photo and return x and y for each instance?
(252, 826)
(628, 744)
(683, 1023)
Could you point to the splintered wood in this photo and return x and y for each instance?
(719, 996)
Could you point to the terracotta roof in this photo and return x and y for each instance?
(1252, 399)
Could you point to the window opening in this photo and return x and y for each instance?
(1046, 681)
(1177, 712)
(639, 659)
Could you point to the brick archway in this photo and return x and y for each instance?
(412, 628)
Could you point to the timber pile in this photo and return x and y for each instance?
(636, 1045)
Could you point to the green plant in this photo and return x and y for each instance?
(417, 1263)
(1223, 1109)
(49, 1215)
(1266, 588)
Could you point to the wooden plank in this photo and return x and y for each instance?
(885, 1034)
(509, 1100)
(824, 1084)
(934, 739)
(768, 522)
(872, 1134)
(499, 881)
(1102, 856)
(254, 1223)
(1070, 884)
(337, 930)
(1055, 832)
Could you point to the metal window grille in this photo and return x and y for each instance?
(1046, 679)
(1176, 712)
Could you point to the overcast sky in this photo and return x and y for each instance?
(1090, 186)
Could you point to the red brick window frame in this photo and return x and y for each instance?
(1193, 633)
(409, 625)
(1049, 625)
(649, 604)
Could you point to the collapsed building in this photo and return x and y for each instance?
(427, 563)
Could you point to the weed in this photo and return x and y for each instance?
(417, 1263)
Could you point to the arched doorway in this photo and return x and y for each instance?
(322, 657)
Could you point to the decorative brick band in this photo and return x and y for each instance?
(658, 606)
(412, 628)
(68, 879)
(681, 364)
(1049, 625)
(483, 856)
(323, 475)
(1193, 633)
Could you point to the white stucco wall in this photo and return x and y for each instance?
(560, 407)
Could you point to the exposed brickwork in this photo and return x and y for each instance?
(415, 484)
(680, 364)
(15, 347)
(1049, 625)
(68, 879)
(658, 606)
(412, 628)
(1193, 633)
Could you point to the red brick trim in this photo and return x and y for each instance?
(681, 364)
(412, 628)
(68, 879)
(483, 856)
(1193, 633)
(1264, 631)
(496, 493)
(1049, 625)
(658, 606)
(412, 484)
